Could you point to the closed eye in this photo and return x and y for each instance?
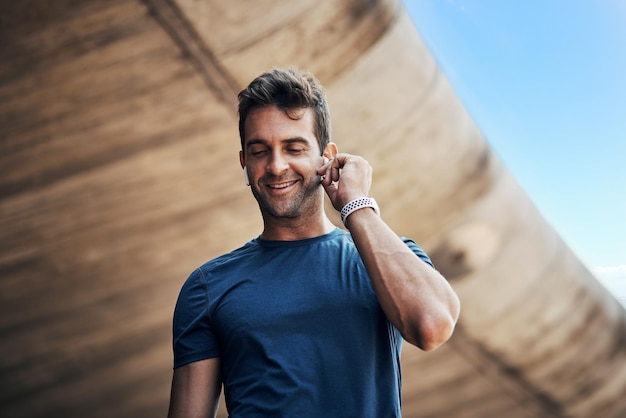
(258, 150)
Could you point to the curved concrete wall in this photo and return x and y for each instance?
(119, 174)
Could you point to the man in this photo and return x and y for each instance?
(307, 319)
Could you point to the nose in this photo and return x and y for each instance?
(277, 164)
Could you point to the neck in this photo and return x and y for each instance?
(295, 229)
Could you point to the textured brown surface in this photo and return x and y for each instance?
(119, 174)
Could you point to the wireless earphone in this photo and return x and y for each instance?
(245, 176)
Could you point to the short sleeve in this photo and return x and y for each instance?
(418, 251)
(193, 336)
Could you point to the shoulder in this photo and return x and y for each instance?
(233, 258)
(196, 286)
(417, 250)
(342, 237)
(198, 278)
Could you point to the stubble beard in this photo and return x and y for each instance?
(299, 203)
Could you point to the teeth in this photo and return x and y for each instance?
(281, 185)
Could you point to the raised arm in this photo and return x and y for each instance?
(413, 295)
(196, 389)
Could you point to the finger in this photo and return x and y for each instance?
(335, 168)
(328, 176)
(324, 167)
(322, 171)
(329, 187)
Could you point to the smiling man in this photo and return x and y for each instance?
(282, 157)
(307, 319)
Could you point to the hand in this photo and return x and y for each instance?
(346, 177)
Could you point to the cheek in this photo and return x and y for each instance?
(308, 168)
(255, 165)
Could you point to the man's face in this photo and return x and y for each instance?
(281, 156)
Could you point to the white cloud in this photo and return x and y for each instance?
(614, 279)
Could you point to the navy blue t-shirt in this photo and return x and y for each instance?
(297, 327)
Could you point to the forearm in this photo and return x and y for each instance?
(413, 295)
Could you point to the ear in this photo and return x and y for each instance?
(330, 150)
(245, 170)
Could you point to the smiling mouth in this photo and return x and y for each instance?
(284, 185)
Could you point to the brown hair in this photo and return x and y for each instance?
(288, 89)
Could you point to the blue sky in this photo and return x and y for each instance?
(545, 81)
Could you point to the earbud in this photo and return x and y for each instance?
(245, 176)
(324, 161)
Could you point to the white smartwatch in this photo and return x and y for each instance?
(356, 204)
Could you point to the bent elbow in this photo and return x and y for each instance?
(429, 334)
(429, 338)
(434, 337)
